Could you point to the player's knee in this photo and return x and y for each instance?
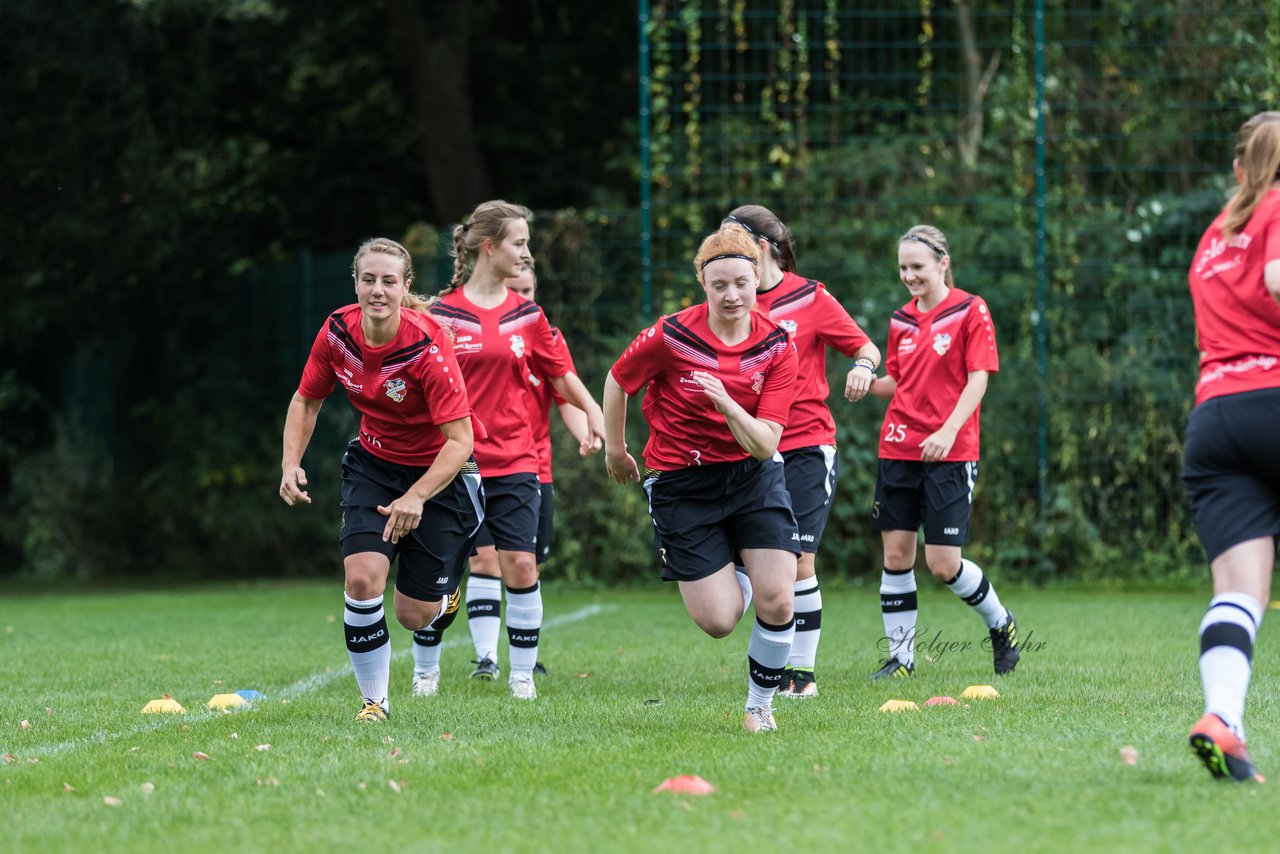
(418, 615)
(521, 571)
(944, 568)
(718, 625)
(774, 606)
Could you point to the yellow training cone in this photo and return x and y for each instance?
(899, 706)
(166, 705)
(980, 692)
(225, 701)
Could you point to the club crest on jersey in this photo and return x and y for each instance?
(789, 325)
(757, 382)
(941, 343)
(907, 345)
(517, 345)
(395, 390)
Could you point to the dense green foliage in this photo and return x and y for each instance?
(188, 180)
(636, 694)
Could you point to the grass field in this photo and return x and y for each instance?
(636, 694)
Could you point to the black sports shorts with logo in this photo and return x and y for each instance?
(546, 526)
(938, 495)
(433, 557)
(811, 480)
(1231, 469)
(704, 515)
(512, 506)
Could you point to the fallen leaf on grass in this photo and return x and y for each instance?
(25, 725)
(199, 754)
(234, 736)
(362, 786)
(262, 747)
(319, 793)
(395, 787)
(67, 787)
(270, 781)
(48, 711)
(446, 736)
(9, 757)
(979, 738)
(148, 788)
(1129, 755)
(685, 784)
(134, 749)
(583, 675)
(112, 802)
(395, 751)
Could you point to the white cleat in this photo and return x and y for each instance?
(522, 687)
(426, 684)
(758, 719)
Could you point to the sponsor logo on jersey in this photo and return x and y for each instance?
(941, 343)
(517, 345)
(462, 339)
(907, 345)
(757, 382)
(350, 384)
(395, 390)
(689, 380)
(789, 325)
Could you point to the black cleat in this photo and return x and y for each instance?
(486, 668)
(1004, 645)
(803, 684)
(788, 679)
(539, 669)
(894, 668)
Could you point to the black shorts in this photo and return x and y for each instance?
(811, 481)
(512, 506)
(704, 515)
(545, 526)
(431, 558)
(1231, 469)
(939, 495)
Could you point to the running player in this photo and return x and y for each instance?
(502, 338)
(941, 350)
(1230, 466)
(718, 379)
(484, 587)
(815, 320)
(410, 488)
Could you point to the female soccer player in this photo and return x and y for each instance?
(484, 587)
(1230, 466)
(719, 379)
(410, 488)
(501, 338)
(815, 320)
(941, 349)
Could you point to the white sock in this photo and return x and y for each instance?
(767, 654)
(369, 645)
(744, 581)
(426, 651)
(898, 608)
(804, 649)
(974, 588)
(484, 614)
(1227, 633)
(524, 625)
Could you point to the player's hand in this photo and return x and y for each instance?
(622, 467)
(292, 486)
(714, 389)
(857, 383)
(403, 516)
(936, 446)
(594, 440)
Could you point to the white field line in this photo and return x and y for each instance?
(297, 689)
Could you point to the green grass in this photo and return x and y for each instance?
(1038, 769)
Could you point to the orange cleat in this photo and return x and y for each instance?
(1222, 751)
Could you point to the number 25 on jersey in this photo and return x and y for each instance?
(894, 432)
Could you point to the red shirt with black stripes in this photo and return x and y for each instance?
(815, 320)
(1237, 321)
(402, 389)
(931, 354)
(684, 427)
(543, 394)
(498, 348)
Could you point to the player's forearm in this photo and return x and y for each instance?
(757, 437)
(572, 390)
(453, 454)
(615, 417)
(883, 387)
(299, 424)
(868, 351)
(575, 420)
(970, 397)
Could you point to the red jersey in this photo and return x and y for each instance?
(684, 427)
(542, 395)
(1237, 321)
(931, 355)
(815, 320)
(497, 349)
(401, 389)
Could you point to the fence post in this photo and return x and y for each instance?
(1042, 414)
(646, 249)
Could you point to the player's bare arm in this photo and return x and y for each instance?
(299, 424)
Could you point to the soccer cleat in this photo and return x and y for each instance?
(373, 712)
(788, 676)
(759, 719)
(1004, 645)
(1222, 751)
(426, 684)
(522, 687)
(894, 668)
(539, 669)
(802, 684)
(486, 668)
